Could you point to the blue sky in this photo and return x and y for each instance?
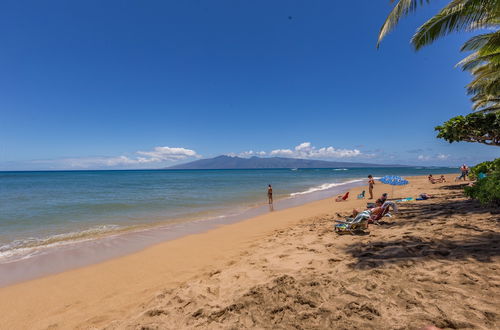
(147, 84)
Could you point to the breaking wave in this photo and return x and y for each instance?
(325, 186)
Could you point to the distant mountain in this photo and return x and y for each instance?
(229, 162)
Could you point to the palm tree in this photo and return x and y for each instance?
(458, 15)
(484, 64)
(462, 15)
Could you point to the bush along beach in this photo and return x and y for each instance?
(487, 187)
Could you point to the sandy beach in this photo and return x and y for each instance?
(436, 262)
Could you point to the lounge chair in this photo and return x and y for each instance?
(341, 198)
(353, 225)
(362, 195)
(374, 218)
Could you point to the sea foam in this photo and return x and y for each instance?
(324, 186)
(28, 247)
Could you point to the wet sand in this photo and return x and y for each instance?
(436, 262)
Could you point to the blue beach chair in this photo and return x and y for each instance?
(353, 225)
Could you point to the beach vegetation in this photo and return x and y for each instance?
(487, 189)
(485, 168)
(483, 63)
(476, 127)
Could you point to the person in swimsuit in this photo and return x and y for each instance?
(270, 194)
(371, 183)
(464, 169)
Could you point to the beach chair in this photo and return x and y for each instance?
(341, 198)
(374, 218)
(353, 225)
(362, 195)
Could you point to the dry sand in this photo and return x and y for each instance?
(436, 262)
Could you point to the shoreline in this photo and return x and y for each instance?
(131, 291)
(72, 254)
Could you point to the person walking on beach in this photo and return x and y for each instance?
(371, 183)
(270, 194)
(464, 169)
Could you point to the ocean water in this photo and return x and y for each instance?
(40, 209)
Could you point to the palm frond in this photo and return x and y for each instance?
(485, 87)
(482, 40)
(401, 9)
(492, 108)
(458, 15)
(474, 60)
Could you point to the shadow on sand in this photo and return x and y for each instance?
(481, 244)
(376, 254)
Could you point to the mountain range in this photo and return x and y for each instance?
(232, 162)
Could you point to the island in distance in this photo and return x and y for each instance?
(233, 162)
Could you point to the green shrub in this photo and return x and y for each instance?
(484, 167)
(486, 190)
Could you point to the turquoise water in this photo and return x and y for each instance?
(42, 208)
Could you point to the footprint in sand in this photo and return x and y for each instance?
(156, 312)
(332, 261)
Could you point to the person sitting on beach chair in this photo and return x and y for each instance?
(341, 198)
(377, 203)
(381, 211)
(362, 195)
(369, 206)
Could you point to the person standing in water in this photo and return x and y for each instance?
(371, 183)
(270, 194)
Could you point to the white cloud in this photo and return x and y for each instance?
(304, 147)
(281, 152)
(250, 153)
(429, 157)
(307, 150)
(167, 153)
(423, 157)
(157, 155)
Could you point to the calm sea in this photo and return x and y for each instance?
(40, 209)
